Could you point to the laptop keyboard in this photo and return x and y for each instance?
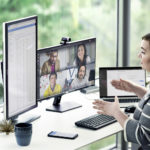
(123, 100)
(95, 121)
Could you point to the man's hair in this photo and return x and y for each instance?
(54, 51)
(52, 73)
(51, 52)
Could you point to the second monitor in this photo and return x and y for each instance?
(65, 68)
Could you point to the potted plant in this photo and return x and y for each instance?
(6, 126)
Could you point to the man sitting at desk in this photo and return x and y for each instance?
(53, 88)
(52, 64)
(81, 79)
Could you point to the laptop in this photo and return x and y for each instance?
(108, 92)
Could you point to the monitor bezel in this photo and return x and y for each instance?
(119, 68)
(5, 65)
(56, 47)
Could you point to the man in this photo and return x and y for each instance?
(52, 64)
(81, 80)
(53, 88)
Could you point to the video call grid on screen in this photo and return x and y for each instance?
(134, 74)
(67, 72)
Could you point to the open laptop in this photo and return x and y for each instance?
(108, 92)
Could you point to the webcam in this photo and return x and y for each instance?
(64, 40)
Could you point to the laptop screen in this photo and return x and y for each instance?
(134, 74)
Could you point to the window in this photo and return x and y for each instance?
(81, 19)
(139, 26)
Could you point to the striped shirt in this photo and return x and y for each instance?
(137, 130)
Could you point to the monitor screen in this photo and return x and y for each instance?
(107, 74)
(65, 68)
(19, 57)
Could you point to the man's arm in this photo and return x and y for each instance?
(44, 70)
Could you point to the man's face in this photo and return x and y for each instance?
(144, 55)
(81, 73)
(53, 57)
(52, 80)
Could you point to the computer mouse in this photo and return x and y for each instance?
(130, 109)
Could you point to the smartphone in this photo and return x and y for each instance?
(62, 135)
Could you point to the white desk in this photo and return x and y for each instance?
(63, 122)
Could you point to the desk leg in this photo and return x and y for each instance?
(120, 142)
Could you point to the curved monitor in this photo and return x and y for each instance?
(65, 68)
(19, 58)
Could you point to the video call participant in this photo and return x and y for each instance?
(53, 88)
(136, 130)
(81, 79)
(52, 64)
(81, 57)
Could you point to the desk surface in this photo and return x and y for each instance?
(63, 122)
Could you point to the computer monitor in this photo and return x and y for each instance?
(65, 68)
(19, 66)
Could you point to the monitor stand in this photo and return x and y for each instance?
(62, 107)
(26, 118)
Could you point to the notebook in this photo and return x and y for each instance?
(108, 92)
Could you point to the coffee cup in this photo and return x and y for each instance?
(23, 133)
